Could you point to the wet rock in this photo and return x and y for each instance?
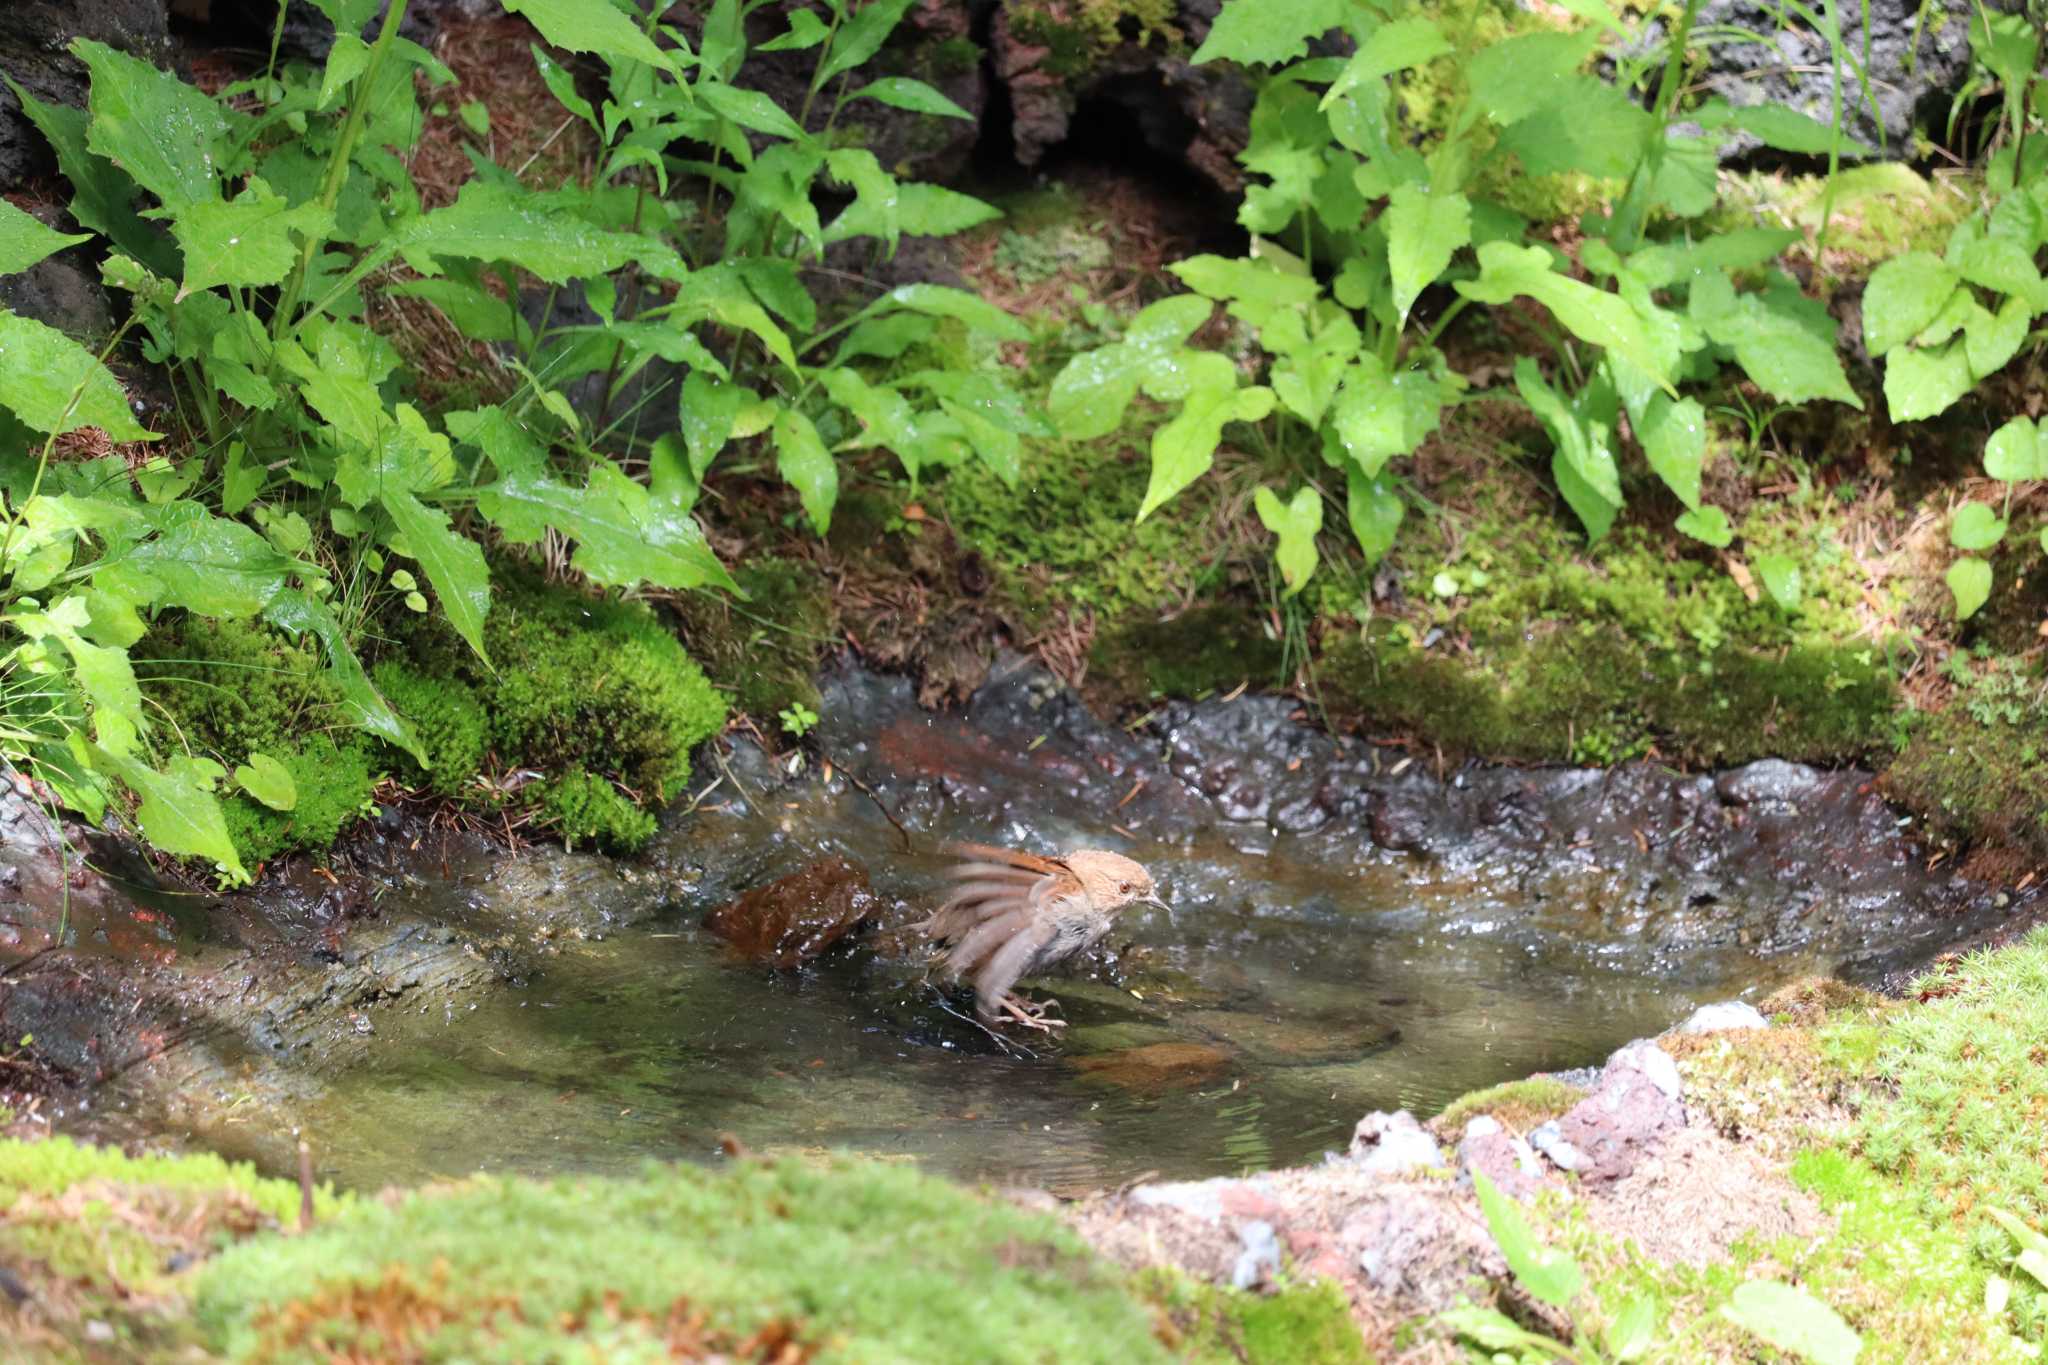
(1548, 1139)
(1500, 1156)
(1272, 1040)
(57, 291)
(1722, 1016)
(1157, 1066)
(33, 37)
(1634, 1106)
(1394, 1144)
(1768, 779)
(795, 918)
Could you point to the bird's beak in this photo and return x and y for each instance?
(1154, 900)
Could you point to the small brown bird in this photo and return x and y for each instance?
(1013, 915)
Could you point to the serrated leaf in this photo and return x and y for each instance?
(1268, 31)
(2014, 452)
(454, 564)
(624, 536)
(1777, 349)
(1794, 1321)
(1296, 522)
(24, 240)
(749, 109)
(494, 222)
(1424, 231)
(1921, 383)
(177, 814)
(1394, 46)
(807, 466)
(862, 37)
(900, 92)
(1591, 127)
(1514, 78)
(42, 370)
(591, 26)
(102, 194)
(152, 125)
(1975, 526)
(1375, 511)
(244, 241)
(1707, 524)
(1782, 578)
(1184, 448)
(1903, 296)
(921, 210)
(268, 781)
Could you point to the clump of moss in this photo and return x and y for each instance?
(1078, 34)
(1978, 769)
(448, 719)
(585, 809)
(234, 688)
(1209, 649)
(1519, 1105)
(766, 647)
(1294, 1326)
(334, 781)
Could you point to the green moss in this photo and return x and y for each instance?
(1520, 1105)
(448, 719)
(1078, 34)
(232, 688)
(589, 810)
(1297, 1325)
(856, 1261)
(954, 57)
(334, 781)
(766, 648)
(1978, 770)
(1212, 648)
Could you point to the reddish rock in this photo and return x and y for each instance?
(1157, 1066)
(795, 918)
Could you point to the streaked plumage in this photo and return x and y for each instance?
(1012, 915)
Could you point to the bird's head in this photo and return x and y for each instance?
(1112, 881)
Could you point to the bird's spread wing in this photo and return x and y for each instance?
(997, 893)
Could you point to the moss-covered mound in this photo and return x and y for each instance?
(592, 703)
(817, 1262)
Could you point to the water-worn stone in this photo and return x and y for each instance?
(1393, 1144)
(1635, 1105)
(1157, 1066)
(1722, 1016)
(1767, 779)
(1500, 1156)
(1550, 1141)
(793, 919)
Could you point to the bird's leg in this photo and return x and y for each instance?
(1029, 1013)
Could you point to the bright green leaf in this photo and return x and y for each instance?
(454, 564)
(805, 464)
(900, 92)
(24, 240)
(1782, 579)
(246, 240)
(624, 536)
(490, 221)
(1904, 294)
(55, 385)
(1975, 526)
(269, 781)
(1921, 383)
(1184, 448)
(1375, 511)
(1268, 31)
(161, 131)
(1546, 1275)
(1794, 1321)
(2015, 452)
(1296, 522)
(591, 26)
(177, 814)
(1707, 524)
(1424, 231)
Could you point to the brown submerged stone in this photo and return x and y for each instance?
(1157, 1066)
(795, 918)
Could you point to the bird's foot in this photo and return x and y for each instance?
(1030, 1013)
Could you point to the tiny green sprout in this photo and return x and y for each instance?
(403, 580)
(797, 719)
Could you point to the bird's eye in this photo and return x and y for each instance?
(1125, 887)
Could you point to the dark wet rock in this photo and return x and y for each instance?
(1506, 1160)
(1278, 1040)
(60, 292)
(307, 34)
(1157, 1066)
(1393, 1144)
(795, 918)
(33, 36)
(1635, 1105)
(1768, 780)
(1722, 1016)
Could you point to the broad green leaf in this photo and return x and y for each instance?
(1394, 46)
(346, 60)
(624, 536)
(1782, 579)
(1583, 462)
(1674, 437)
(861, 37)
(296, 614)
(1775, 125)
(1775, 348)
(1990, 341)
(1975, 526)
(1372, 418)
(806, 30)
(1591, 127)
(55, 385)
(921, 210)
(1794, 1321)
(938, 300)
(163, 132)
(1603, 319)
(349, 16)
(1092, 391)
(1375, 511)
(1546, 1275)
(749, 109)
(2028, 1239)
(1635, 1328)
(1903, 296)
(1496, 1331)
(177, 814)
(102, 194)
(1920, 383)
(1241, 279)
(1516, 77)
(706, 413)
(480, 314)
(203, 563)
(2003, 265)
(1296, 522)
(246, 240)
(562, 85)
(1707, 524)
(1424, 231)
(454, 564)
(268, 781)
(1307, 377)
(1184, 448)
(805, 464)
(494, 222)
(102, 672)
(2015, 452)
(1268, 31)
(900, 92)
(24, 240)
(591, 26)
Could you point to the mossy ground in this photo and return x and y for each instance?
(189, 1259)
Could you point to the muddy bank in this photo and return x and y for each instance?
(1354, 929)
